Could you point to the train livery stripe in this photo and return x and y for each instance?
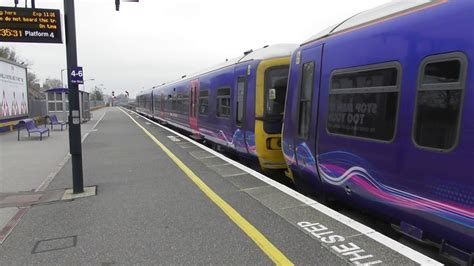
(363, 229)
(267, 247)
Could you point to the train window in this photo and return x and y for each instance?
(363, 101)
(146, 100)
(442, 72)
(223, 102)
(306, 94)
(173, 104)
(276, 79)
(179, 105)
(156, 104)
(162, 102)
(203, 102)
(167, 103)
(365, 79)
(241, 83)
(439, 101)
(185, 104)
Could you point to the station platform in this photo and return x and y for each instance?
(165, 199)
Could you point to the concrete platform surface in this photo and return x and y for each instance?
(30, 164)
(151, 210)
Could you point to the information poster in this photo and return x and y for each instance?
(13, 91)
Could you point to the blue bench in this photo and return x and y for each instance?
(31, 127)
(53, 120)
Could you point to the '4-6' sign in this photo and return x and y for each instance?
(76, 75)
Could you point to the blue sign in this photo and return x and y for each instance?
(77, 75)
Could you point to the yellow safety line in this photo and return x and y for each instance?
(275, 255)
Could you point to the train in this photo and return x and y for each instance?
(237, 106)
(376, 111)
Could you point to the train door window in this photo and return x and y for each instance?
(203, 102)
(223, 102)
(194, 99)
(191, 102)
(439, 101)
(363, 101)
(276, 79)
(241, 83)
(306, 93)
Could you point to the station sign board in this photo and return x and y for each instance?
(30, 25)
(77, 75)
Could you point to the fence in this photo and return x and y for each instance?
(37, 108)
(94, 104)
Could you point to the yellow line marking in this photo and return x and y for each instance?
(265, 245)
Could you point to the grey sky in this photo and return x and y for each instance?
(154, 41)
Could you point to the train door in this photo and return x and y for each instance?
(240, 113)
(305, 133)
(193, 123)
(162, 105)
(151, 110)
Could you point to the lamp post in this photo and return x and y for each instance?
(62, 81)
(75, 145)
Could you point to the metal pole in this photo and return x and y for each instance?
(33, 4)
(75, 145)
(62, 80)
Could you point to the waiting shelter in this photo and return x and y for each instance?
(58, 104)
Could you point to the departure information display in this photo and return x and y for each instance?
(30, 25)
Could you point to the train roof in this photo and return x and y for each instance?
(267, 52)
(375, 14)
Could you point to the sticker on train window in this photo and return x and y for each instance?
(363, 102)
(272, 94)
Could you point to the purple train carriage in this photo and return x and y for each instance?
(379, 113)
(237, 106)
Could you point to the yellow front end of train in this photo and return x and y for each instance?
(271, 84)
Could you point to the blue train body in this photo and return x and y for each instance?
(387, 122)
(229, 105)
(378, 113)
